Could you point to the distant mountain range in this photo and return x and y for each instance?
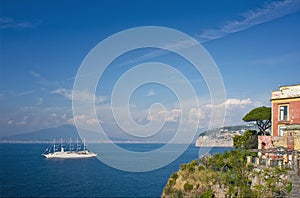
(69, 131)
(45, 135)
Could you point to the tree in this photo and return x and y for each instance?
(247, 141)
(262, 117)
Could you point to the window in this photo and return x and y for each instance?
(281, 128)
(283, 113)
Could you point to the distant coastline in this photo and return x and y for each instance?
(222, 136)
(90, 142)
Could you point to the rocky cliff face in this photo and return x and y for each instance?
(227, 175)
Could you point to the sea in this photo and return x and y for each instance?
(25, 173)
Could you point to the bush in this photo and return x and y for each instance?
(194, 163)
(174, 176)
(288, 187)
(201, 167)
(178, 194)
(172, 179)
(247, 141)
(207, 194)
(187, 187)
(183, 166)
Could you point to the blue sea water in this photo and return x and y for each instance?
(25, 173)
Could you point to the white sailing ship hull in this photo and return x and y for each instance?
(70, 155)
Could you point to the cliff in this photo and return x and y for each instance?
(227, 175)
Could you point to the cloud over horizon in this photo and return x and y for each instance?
(79, 95)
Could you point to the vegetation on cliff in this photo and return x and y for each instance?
(227, 175)
(247, 141)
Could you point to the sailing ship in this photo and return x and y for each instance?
(68, 152)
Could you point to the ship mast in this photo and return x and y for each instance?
(54, 145)
(77, 144)
(71, 146)
(84, 147)
(61, 145)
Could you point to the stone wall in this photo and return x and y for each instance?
(290, 140)
(292, 133)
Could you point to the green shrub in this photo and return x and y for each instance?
(174, 176)
(191, 168)
(187, 187)
(183, 166)
(207, 194)
(288, 187)
(178, 194)
(194, 163)
(201, 167)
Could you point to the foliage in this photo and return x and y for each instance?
(174, 176)
(288, 187)
(187, 187)
(178, 194)
(247, 141)
(262, 117)
(207, 194)
(274, 182)
(230, 174)
(190, 166)
(171, 182)
(233, 170)
(260, 113)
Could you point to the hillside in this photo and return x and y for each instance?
(227, 175)
(222, 136)
(45, 135)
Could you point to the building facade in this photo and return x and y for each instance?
(285, 108)
(284, 142)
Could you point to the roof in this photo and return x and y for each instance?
(291, 91)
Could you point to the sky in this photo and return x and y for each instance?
(255, 45)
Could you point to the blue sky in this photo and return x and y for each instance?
(255, 45)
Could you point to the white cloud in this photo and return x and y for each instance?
(64, 116)
(85, 121)
(151, 92)
(270, 11)
(40, 101)
(172, 115)
(35, 74)
(92, 121)
(54, 115)
(57, 118)
(42, 80)
(64, 92)
(195, 115)
(25, 92)
(232, 103)
(237, 102)
(176, 45)
(79, 95)
(10, 23)
(23, 121)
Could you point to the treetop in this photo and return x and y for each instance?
(260, 113)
